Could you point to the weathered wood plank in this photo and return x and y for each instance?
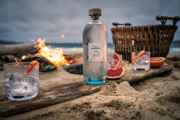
(55, 87)
(135, 77)
(130, 75)
(56, 95)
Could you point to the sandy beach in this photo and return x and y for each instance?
(152, 99)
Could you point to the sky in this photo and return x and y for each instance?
(26, 20)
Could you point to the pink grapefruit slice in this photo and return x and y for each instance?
(116, 70)
(115, 73)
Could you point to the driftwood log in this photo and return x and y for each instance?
(45, 65)
(136, 78)
(74, 60)
(17, 49)
(130, 76)
(56, 95)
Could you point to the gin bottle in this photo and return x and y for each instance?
(95, 49)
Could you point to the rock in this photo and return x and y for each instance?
(74, 68)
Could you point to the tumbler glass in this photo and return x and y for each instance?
(21, 81)
(141, 61)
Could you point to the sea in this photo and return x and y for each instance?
(77, 47)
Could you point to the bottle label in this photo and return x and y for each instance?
(94, 52)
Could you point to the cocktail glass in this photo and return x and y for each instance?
(21, 81)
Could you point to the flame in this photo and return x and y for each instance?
(54, 55)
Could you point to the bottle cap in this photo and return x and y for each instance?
(95, 12)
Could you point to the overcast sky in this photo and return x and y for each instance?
(25, 20)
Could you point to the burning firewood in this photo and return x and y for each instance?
(48, 57)
(45, 64)
(54, 55)
(74, 59)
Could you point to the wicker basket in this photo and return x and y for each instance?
(155, 38)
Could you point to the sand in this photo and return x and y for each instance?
(153, 99)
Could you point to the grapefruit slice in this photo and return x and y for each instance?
(157, 62)
(116, 70)
(115, 73)
(116, 61)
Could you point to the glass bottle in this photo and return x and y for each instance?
(95, 49)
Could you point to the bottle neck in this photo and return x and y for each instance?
(95, 21)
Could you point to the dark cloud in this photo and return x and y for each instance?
(5, 30)
(26, 19)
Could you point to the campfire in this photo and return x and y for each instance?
(54, 55)
(49, 58)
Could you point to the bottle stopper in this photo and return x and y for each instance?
(95, 13)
